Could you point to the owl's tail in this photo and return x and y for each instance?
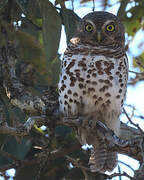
(102, 159)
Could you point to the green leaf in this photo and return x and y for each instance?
(140, 59)
(2, 139)
(33, 9)
(30, 8)
(2, 40)
(63, 131)
(28, 27)
(51, 29)
(10, 32)
(3, 3)
(27, 172)
(53, 71)
(16, 12)
(133, 24)
(70, 21)
(17, 149)
(30, 50)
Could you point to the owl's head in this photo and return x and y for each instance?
(101, 28)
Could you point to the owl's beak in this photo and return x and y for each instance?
(98, 36)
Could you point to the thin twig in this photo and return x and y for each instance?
(141, 142)
(136, 125)
(136, 72)
(76, 163)
(133, 111)
(119, 171)
(72, 2)
(93, 9)
(126, 165)
(38, 28)
(119, 174)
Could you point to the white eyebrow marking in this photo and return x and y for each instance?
(107, 22)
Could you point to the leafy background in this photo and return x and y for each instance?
(35, 27)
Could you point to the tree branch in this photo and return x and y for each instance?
(119, 174)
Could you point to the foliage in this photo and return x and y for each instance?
(34, 27)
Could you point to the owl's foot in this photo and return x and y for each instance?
(72, 121)
(106, 133)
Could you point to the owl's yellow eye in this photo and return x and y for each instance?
(89, 28)
(110, 27)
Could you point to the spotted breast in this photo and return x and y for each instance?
(91, 83)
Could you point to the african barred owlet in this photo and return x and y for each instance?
(93, 82)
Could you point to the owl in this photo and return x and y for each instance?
(93, 83)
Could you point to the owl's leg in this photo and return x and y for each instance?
(73, 121)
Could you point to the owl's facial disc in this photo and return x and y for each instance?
(101, 28)
(98, 33)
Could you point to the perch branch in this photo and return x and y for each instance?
(129, 145)
(23, 130)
